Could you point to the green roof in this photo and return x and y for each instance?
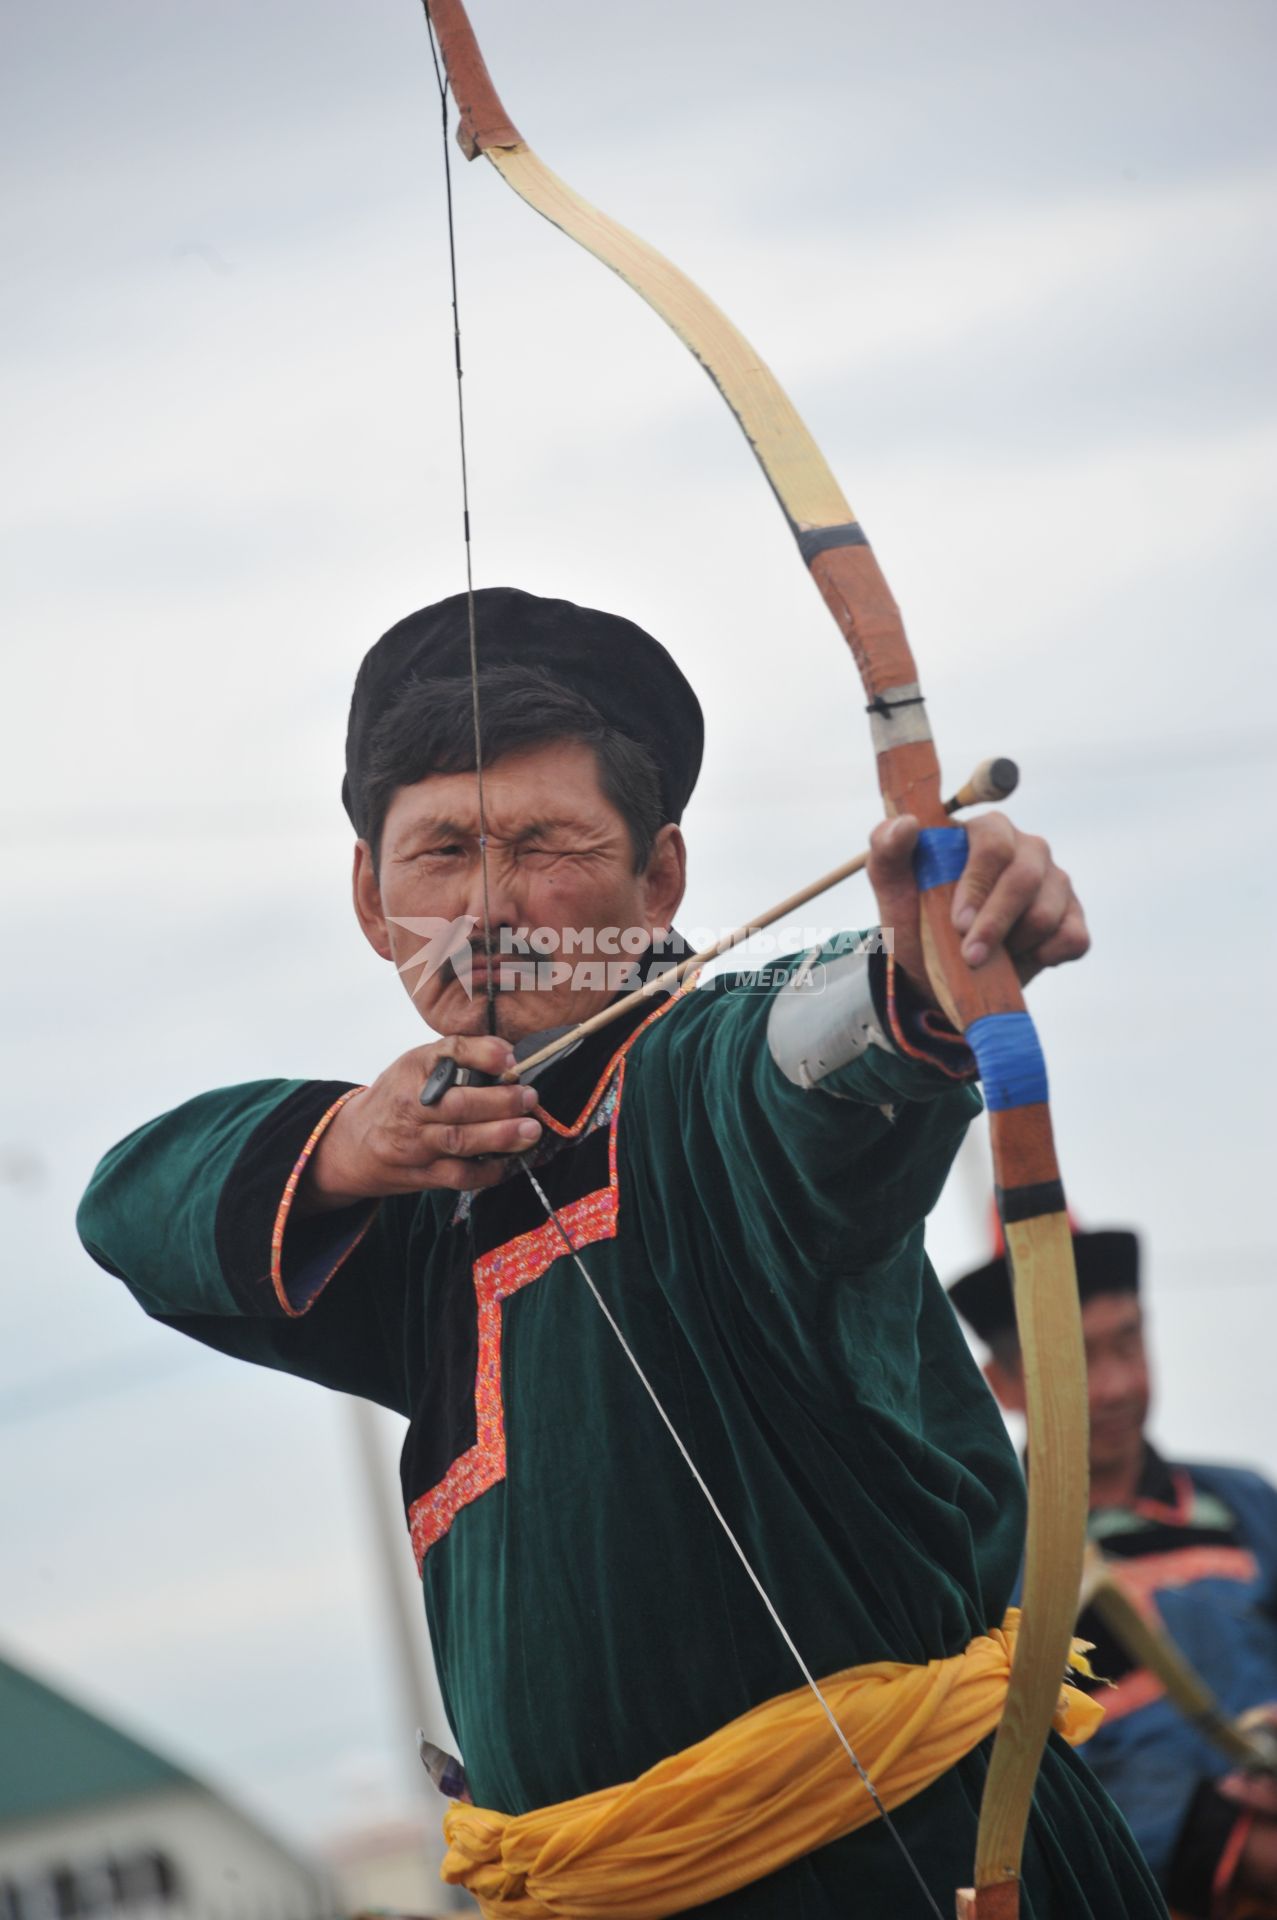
(55, 1754)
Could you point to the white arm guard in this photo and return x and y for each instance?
(824, 1018)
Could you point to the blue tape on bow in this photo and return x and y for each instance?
(1009, 1056)
(940, 856)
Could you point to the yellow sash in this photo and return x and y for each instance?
(760, 1792)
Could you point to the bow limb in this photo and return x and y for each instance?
(1137, 1629)
(987, 1006)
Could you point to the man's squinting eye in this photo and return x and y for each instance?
(544, 845)
(533, 852)
(536, 856)
(444, 850)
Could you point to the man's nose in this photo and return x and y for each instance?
(492, 897)
(1110, 1383)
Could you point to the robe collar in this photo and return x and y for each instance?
(569, 1085)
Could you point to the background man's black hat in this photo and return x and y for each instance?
(626, 675)
(1107, 1262)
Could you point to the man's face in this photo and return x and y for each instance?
(1117, 1381)
(560, 864)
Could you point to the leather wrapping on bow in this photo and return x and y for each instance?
(987, 1007)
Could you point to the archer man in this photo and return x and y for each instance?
(740, 1175)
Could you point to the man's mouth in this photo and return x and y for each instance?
(473, 971)
(1113, 1426)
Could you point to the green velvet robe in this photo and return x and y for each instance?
(762, 1249)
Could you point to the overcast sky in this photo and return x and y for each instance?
(1016, 266)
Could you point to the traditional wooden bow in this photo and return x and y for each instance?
(987, 1006)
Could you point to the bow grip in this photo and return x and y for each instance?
(988, 1009)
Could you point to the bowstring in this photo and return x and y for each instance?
(471, 622)
(551, 1211)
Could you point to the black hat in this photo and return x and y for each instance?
(626, 675)
(1107, 1262)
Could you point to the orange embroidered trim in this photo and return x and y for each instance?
(1152, 1573)
(906, 1046)
(498, 1274)
(1226, 1868)
(1181, 1512)
(1134, 1690)
(571, 1132)
(285, 1207)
